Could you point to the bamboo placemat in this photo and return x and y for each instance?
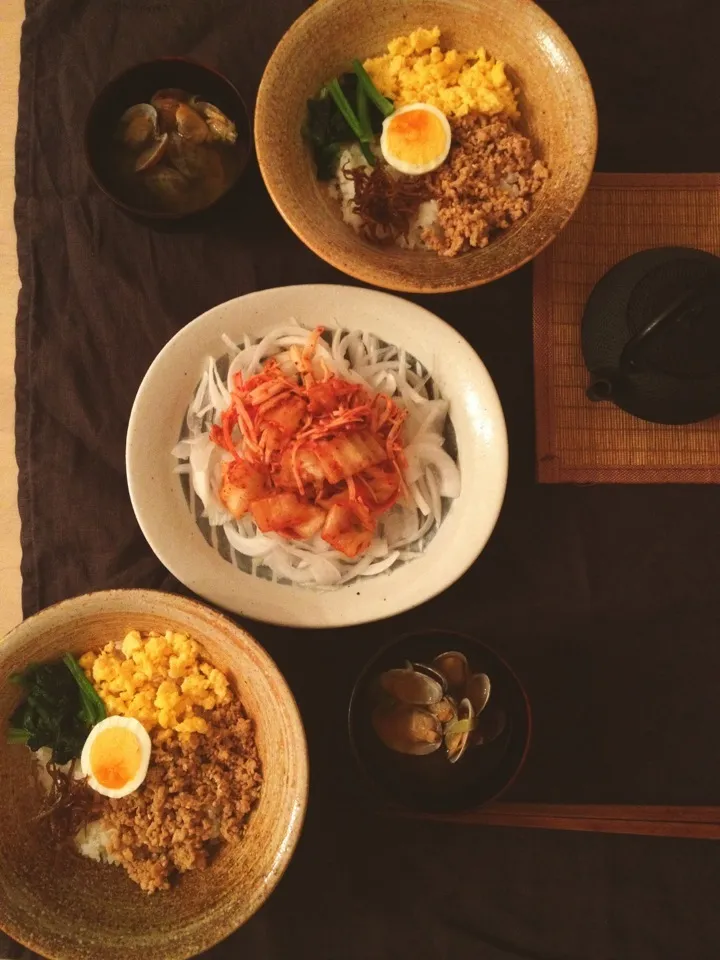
(583, 442)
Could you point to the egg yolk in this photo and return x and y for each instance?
(415, 136)
(115, 757)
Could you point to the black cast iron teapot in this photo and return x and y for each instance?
(651, 335)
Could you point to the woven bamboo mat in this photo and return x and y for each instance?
(583, 442)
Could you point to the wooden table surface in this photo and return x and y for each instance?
(11, 15)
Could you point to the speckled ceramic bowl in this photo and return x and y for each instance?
(77, 909)
(557, 105)
(163, 509)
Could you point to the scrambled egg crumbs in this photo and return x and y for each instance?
(416, 70)
(162, 681)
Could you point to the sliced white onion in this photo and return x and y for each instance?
(418, 535)
(257, 546)
(420, 455)
(182, 450)
(265, 347)
(324, 571)
(201, 394)
(380, 566)
(410, 395)
(358, 357)
(417, 495)
(205, 459)
(219, 396)
(408, 556)
(283, 566)
(434, 496)
(433, 423)
(371, 346)
(232, 348)
(400, 523)
(238, 365)
(356, 352)
(358, 569)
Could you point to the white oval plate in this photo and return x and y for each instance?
(159, 411)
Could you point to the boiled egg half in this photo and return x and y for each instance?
(416, 138)
(116, 756)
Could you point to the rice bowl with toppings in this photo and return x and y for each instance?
(557, 115)
(60, 904)
(421, 146)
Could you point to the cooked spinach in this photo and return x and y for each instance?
(58, 711)
(339, 115)
(93, 709)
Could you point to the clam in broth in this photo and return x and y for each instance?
(420, 707)
(405, 728)
(176, 154)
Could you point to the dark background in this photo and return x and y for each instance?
(604, 599)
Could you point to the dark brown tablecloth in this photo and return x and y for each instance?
(605, 598)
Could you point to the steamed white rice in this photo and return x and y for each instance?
(91, 840)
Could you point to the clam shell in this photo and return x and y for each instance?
(454, 667)
(166, 102)
(432, 673)
(478, 692)
(220, 126)
(138, 125)
(190, 125)
(167, 110)
(411, 687)
(152, 154)
(407, 729)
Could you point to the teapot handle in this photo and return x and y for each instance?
(689, 299)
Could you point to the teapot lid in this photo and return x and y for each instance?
(651, 335)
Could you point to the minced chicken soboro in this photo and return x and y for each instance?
(199, 790)
(485, 186)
